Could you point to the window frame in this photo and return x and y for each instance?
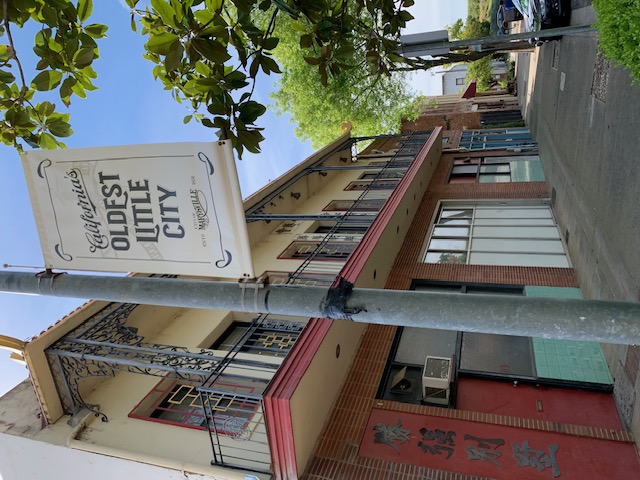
(320, 256)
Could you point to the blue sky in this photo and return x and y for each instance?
(131, 108)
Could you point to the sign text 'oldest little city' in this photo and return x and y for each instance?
(167, 208)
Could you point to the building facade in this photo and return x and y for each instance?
(160, 392)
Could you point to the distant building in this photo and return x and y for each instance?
(146, 392)
(454, 78)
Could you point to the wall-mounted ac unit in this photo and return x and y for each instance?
(436, 380)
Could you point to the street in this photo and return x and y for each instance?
(585, 114)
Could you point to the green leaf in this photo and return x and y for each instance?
(85, 8)
(271, 43)
(162, 43)
(66, 89)
(79, 90)
(132, 3)
(96, 30)
(207, 123)
(313, 60)
(187, 119)
(211, 49)
(6, 77)
(84, 57)
(47, 80)
(174, 58)
(45, 108)
(242, 6)
(47, 141)
(166, 12)
(306, 41)
(269, 65)
(250, 111)
(255, 65)
(213, 5)
(345, 52)
(59, 129)
(6, 53)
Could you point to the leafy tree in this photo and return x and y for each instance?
(480, 69)
(66, 47)
(209, 55)
(619, 32)
(472, 28)
(373, 103)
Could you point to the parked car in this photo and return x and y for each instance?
(506, 13)
(543, 14)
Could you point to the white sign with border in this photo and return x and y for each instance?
(163, 208)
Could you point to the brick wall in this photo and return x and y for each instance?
(408, 265)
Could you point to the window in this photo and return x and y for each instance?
(523, 168)
(397, 162)
(460, 81)
(269, 338)
(377, 174)
(305, 278)
(178, 402)
(363, 205)
(468, 288)
(301, 249)
(496, 234)
(495, 138)
(373, 185)
(357, 228)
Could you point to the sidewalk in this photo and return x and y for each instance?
(585, 115)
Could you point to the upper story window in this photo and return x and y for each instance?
(389, 184)
(309, 278)
(460, 81)
(334, 250)
(495, 138)
(524, 168)
(496, 233)
(377, 174)
(363, 205)
(269, 338)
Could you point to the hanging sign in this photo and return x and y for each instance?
(167, 208)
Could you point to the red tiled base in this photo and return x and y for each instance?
(336, 454)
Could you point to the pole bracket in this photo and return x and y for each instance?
(254, 284)
(47, 273)
(335, 303)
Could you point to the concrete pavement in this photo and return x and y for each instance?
(585, 114)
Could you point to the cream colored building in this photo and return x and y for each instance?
(140, 391)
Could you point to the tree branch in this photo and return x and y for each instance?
(5, 11)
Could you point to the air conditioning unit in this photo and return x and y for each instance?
(436, 380)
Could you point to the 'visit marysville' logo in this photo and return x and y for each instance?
(200, 209)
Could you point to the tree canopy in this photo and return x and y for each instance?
(209, 54)
(373, 103)
(479, 69)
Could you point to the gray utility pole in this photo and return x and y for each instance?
(572, 319)
(415, 46)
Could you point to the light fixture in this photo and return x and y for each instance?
(295, 195)
(323, 173)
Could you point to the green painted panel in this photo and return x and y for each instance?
(527, 171)
(552, 292)
(567, 359)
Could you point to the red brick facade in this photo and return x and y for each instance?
(408, 265)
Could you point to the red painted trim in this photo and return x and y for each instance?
(286, 380)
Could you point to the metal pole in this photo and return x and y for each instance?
(571, 319)
(417, 49)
